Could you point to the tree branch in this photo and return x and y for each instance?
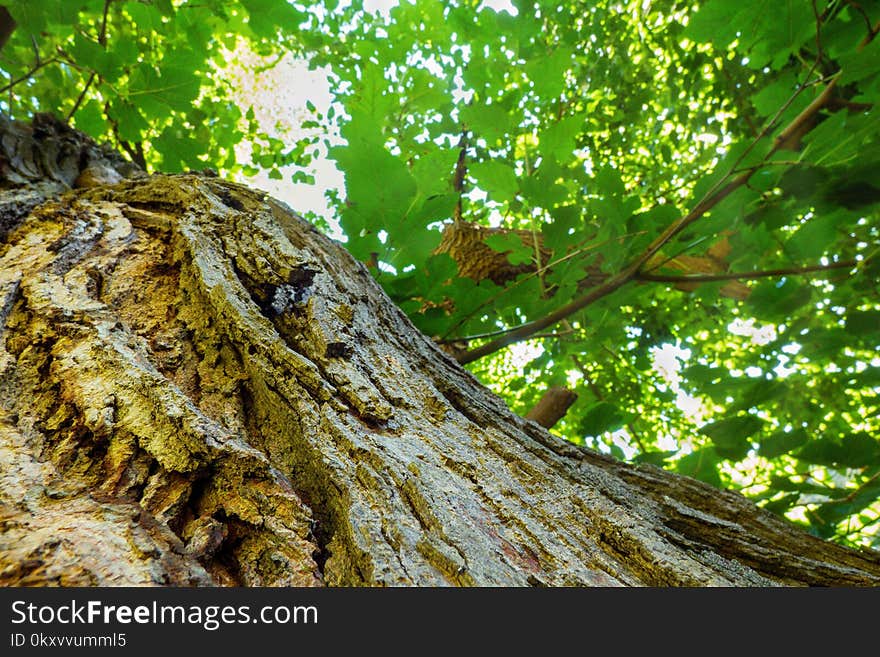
(742, 275)
(528, 329)
(460, 173)
(36, 67)
(480, 336)
(80, 98)
(709, 201)
(794, 128)
(552, 406)
(869, 37)
(102, 39)
(102, 33)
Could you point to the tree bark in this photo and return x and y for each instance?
(198, 388)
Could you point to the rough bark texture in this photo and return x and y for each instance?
(196, 387)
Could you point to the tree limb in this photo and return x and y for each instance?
(552, 406)
(629, 273)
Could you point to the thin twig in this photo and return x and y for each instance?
(869, 37)
(680, 252)
(818, 20)
(136, 152)
(102, 40)
(29, 74)
(80, 98)
(852, 495)
(460, 175)
(742, 275)
(102, 33)
(482, 336)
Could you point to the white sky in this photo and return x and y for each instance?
(279, 98)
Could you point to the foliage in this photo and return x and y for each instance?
(684, 200)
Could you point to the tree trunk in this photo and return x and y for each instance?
(198, 388)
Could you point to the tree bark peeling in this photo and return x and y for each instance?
(199, 388)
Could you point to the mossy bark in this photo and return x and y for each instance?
(198, 388)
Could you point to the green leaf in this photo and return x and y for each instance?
(548, 73)
(88, 53)
(731, 436)
(371, 98)
(803, 182)
(865, 322)
(427, 93)
(759, 392)
(380, 189)
(35, 16)
(700, 464)
(715, 22)
(702, 374)
(560, 139)
(655, 458)
(512, 245)
(489, 122)
(132, 125)
(434, 208)
(146, 16)
(603, 417)
(868, 378)
(782, 503)
(90, 119)
(775, 40)
(774, 96)
(301, 177)
(542, 189)
(609, 183)
(779, 299)
(854, 450)
(180, 149)
(158, 90)
(557, 233)
(418, 248)
(267, 17)
(496, 178)
(855, 500)
(782, 442)
(433, 171)
(860, 63)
